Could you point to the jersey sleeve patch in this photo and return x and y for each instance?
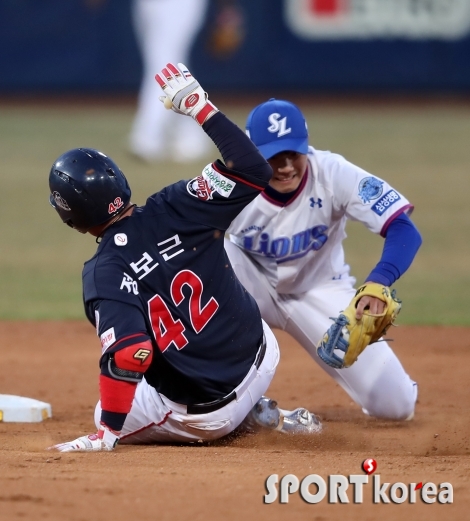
(385, 202)
(107, 339)
(210, 181)
(370, 188)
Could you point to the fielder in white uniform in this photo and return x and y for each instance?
(286, 249)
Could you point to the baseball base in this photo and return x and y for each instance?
(22, 409)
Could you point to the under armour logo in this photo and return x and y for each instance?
(313, 203)
(278, 125)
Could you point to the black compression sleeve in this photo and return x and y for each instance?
(238, 151)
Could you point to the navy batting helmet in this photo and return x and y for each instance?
(87, 188)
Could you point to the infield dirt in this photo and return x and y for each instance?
(57, 362)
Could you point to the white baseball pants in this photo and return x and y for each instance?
(155, 419)
(377, 381)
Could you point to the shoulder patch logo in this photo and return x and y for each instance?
(60, 201)
(210, 181)
(120, 239)
(218, 182)
(370, 188)
(200, 188)
(107, 339)
(381, 206)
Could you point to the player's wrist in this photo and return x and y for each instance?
(205, 113)
(109, 437)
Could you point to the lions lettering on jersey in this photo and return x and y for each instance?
(284, 249)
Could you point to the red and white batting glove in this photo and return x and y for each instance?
(184, 93)
(104, 440)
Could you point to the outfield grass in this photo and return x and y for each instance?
(423, 152)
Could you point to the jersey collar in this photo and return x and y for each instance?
(284, 199)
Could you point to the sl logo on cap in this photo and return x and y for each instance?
(278, 125)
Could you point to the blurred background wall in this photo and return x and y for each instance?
(343, 46)
(385, 83)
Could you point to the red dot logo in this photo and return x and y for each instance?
(191, 100)
(369, 466)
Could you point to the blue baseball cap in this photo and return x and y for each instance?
(277, 126)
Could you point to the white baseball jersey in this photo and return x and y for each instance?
(299, 245)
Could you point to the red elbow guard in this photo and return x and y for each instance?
(136, 357)
(125, 369)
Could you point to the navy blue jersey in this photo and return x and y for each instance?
(162, 273)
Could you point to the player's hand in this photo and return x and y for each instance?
(104, 440)
(372, 305)
(184, 92)
(352, 335)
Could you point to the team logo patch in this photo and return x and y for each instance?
(208, 182)
(381, 206)
(60, 201)
(107, 339)
(370, 188)
(120, 239)
(200, 188)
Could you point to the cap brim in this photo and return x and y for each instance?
(283, 145)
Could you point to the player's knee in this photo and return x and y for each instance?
(128, 364)
(399, 405)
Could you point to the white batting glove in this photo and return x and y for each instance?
(183, 94)
(104, 440)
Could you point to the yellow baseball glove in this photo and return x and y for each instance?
(350, 335)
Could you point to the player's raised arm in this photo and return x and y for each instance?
(184, 95)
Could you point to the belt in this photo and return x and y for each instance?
(204, 408)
